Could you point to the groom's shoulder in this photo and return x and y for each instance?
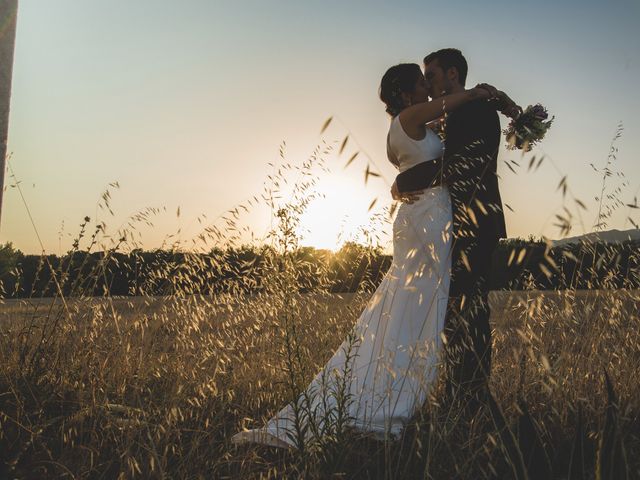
(474, 112)
(482, 107)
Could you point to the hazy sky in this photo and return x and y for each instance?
(184, 104)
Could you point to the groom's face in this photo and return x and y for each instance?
(437, 82)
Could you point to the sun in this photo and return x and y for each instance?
(338, 215)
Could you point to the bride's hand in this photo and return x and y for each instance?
(492, 91)
(508, 107)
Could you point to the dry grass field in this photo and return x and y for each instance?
(155, 387)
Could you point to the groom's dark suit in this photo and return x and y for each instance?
(472, 140)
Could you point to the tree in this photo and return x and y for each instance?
(10, 258)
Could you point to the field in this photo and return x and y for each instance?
(154, 388)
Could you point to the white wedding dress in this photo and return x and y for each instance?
(394, 361)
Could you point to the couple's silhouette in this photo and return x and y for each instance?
(431, 310)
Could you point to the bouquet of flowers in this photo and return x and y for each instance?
(528, 129)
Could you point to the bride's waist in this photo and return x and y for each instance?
(430, 197)
(431, 193)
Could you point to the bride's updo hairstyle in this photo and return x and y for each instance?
(397, 80)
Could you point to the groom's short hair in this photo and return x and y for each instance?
(447, 58)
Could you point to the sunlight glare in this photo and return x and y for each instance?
(337, 217)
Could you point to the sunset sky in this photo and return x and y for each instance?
(185, 104)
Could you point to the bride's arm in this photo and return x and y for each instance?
(508, 107)
(422, 113)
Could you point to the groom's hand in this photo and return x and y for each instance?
(405, 197)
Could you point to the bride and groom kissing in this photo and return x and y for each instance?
(431, 311)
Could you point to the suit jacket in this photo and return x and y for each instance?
(468, 169)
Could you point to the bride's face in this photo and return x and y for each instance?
(420, 91)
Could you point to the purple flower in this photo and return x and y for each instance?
(539, 112)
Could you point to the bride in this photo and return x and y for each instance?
(389, 362)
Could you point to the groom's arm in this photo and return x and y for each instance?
(405, 196)
(424, 175)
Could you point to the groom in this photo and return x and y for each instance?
(472, 140)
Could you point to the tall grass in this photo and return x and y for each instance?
(154, 387)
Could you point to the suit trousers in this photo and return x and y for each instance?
(466, 328)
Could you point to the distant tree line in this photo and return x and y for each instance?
(524, 264)
(517, 264)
